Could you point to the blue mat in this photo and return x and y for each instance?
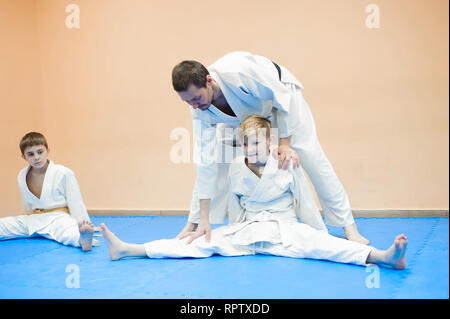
(40, 268)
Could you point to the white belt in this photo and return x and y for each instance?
(282, 218)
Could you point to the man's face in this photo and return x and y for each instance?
(198, 98)
(36, 156)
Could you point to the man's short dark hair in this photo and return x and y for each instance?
(188, 72)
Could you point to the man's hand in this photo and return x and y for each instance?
(285, 154)
(190, 227)
(204, 228)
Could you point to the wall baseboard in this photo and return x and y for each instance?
(356, 213)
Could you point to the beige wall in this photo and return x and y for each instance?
(19, 93)
(102, 93)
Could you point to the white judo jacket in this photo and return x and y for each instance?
(273, 194)
(60, 189)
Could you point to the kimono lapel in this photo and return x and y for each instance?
(47, 176)
(263, 184)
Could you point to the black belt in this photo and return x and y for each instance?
(278, 69)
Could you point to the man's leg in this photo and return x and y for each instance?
(331, 194)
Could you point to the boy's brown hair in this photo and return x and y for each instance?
(32, 139)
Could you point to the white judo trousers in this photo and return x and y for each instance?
(59, 227)
(307, 242)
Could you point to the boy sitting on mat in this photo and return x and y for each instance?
(262, 217)
(51, 200)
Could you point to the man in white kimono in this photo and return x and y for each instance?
(262, 200)
(51, 200)
(236, 86)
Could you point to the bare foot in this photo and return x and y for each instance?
(97, 229)
(115, 245)
(86, 230)
(395, 255)
(352, 234)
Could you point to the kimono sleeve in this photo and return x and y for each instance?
(235, 209)
(74, 199)
(26, 206)
(306, 208)
(205, 158)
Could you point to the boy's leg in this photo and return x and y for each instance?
(61, 228)
(14, 227)
(308, 242)
(119, 249)
(174, 248)
(394, 257)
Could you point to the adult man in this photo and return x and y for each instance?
(236, 86)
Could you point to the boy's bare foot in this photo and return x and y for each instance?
(115, 245)
(352, 234)
(86, 231)
(395, 255)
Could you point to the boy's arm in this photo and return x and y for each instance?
(74, 199)
(306, 207)
(26, 206)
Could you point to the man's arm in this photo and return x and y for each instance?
(206, 168)
(203, 227)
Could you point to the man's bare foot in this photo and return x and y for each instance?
(115, 245)
(352, 234)
(86, 231)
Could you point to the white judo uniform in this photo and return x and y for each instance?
(251, 85)
(60, 189)
(266, 223)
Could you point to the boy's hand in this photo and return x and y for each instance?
(204, 228)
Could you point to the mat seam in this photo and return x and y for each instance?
(415, 256)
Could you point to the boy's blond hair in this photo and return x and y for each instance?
(254, 123)
(32, 139)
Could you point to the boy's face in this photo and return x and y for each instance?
(36, 156)
(256, 147)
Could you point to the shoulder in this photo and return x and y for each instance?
(62, 170)
(22, 173)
